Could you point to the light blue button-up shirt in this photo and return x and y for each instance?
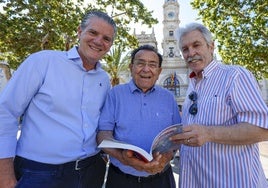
(61, 103)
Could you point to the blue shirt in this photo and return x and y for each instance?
(137, 117)
(226, 95)
(61, 103)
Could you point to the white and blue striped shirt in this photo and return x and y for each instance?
(227, 95)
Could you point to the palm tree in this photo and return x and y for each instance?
(116, 62)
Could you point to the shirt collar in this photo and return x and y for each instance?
(74, 55)
(207, 71)
(134, 88)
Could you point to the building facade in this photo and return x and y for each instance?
(5, 75)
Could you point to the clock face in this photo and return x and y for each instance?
(171, 14)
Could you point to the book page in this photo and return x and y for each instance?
(139, 152)
(162, 143)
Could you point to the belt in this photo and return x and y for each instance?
(74, 165)
(140, 179)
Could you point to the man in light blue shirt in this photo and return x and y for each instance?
(60, 95)
(135, 113)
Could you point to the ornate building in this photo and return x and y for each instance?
(5, 75)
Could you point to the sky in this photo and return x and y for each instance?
(186, 15)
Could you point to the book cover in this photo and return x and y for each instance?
(161, 143)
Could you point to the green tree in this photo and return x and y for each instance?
(30, 26)
(241, 30)
(27, 26)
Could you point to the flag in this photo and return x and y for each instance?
(175, 79)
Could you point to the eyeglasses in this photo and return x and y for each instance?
(142, 64)
(193, 108)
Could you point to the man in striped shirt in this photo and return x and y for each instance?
(224, 118)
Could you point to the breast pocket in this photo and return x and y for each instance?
(216, 109)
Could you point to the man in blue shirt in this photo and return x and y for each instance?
(135, 113)
(60, 95)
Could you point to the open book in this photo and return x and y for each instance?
(161, 143)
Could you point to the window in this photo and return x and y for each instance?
(172, 84)
(171, 53)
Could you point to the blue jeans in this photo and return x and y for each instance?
(31, 174)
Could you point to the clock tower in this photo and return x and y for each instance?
(174, 75)
(170, 23)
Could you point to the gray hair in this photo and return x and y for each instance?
(180, 32)
(99, 14)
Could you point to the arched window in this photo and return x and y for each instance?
(172, 84)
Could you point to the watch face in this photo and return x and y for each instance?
(171, 14)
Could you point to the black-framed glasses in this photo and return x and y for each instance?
(193, 108)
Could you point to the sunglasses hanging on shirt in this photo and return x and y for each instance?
(193, 108)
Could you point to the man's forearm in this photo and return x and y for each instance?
(104, 135)
(7, 175)
(117, 153)
(240, 134)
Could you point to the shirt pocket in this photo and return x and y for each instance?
(215, 110)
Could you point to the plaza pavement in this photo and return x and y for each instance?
(264, 156)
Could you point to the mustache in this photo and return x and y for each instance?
(197, 57)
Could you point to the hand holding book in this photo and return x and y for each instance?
(161, 144)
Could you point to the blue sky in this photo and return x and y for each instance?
(187, 14)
